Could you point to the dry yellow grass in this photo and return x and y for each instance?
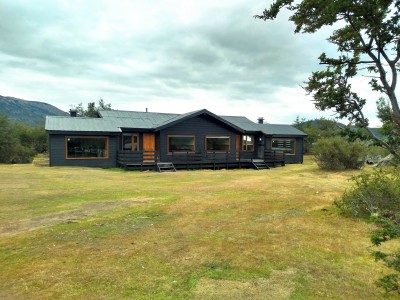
(74, 233)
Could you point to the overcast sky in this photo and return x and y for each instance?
(164, 55)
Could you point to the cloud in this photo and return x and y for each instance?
(171, 55)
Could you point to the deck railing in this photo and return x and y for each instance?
(274, 156)
(126, 157)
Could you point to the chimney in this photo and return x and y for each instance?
(260, 120)
(72, 112)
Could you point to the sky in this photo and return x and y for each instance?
(164, 55)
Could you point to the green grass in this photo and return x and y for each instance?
(76, 233)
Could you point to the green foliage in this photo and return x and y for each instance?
(92, 110)
(366, 35)
(390, 129)
(20, 143)
(376, 197)
(315, 130)
(389, 230)
(376, 193)
(339, 154)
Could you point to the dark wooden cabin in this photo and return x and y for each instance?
(199, 139)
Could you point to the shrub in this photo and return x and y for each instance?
(339, 154)
(374, 194)
(376, 197)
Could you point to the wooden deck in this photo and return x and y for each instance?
(212, 160)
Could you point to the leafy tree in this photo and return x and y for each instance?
(8, 140)
(367, 37)
(91, 110)
(31, 137)
(20, 143)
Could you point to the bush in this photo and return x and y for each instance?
(339, 154)
(376, 197)
(374, 194)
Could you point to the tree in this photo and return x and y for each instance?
(8, 140)
(91, 110)
(20, 143)
(367, 37)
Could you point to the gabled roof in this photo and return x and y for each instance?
(193, 114)
(268, 129)
(242, 122)
(115, 120)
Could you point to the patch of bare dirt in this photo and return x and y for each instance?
(86, 210)
(279, 285)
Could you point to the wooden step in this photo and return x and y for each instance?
(260, 165)
(165, 167)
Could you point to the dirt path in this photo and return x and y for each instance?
(86, 210)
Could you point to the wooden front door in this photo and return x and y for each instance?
(149, 147)
(237, 146)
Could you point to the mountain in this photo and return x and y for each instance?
(32, 113)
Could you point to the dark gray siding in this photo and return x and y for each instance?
(57, 152)
(291, 159)
(200, 127)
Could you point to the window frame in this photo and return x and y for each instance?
(217, 136)
(181, 151)
(132, 135)
(285, 139)
(245, 145)
(87, 137)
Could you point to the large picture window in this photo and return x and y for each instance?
(86, 147)
(181, 143)
(217, 143)
(130, 142)
(248, 143)
(287, 146)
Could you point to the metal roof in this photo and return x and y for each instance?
(140, 117)
(242, 122)
(280, 129)
(114, 120)
(82, 124)
(266, 128)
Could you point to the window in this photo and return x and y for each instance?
(181, 143)
(217, 143)
(130, 142)
(248, 143)
(86, 147)
(285, 145)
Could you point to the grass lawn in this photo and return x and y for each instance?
(81, 233)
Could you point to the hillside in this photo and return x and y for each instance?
(32, 113)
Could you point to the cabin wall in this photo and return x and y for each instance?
(289, 158)
(57, 152)
(200, 127)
